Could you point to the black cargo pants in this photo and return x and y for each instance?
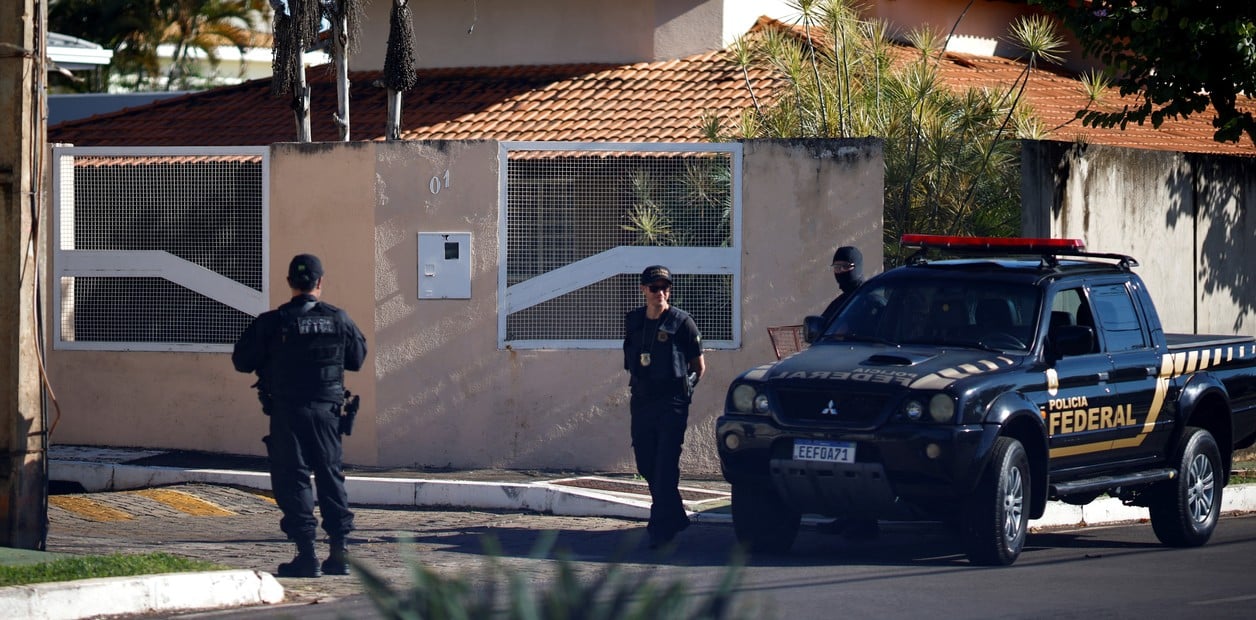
(658, 431)
(305, 439)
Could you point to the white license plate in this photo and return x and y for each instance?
(826, 451)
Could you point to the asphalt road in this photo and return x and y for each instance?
(908, 572)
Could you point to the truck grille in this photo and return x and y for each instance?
(843, 409)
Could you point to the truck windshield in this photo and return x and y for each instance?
(941, 312)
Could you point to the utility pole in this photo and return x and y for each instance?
(23, 488)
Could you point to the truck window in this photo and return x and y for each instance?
(941, 311)
(1117, 318)
(1069, 307)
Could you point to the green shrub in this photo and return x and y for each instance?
(613, 593)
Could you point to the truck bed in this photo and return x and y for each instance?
(1186, 341)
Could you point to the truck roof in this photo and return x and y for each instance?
(1032, 268)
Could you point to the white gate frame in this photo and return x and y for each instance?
(619, 260)
(150, 263)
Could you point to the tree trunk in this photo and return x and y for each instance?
(301, 105)
(340, 55)
(394, 116)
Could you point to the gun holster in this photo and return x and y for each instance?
(263, 397)
(351, 404)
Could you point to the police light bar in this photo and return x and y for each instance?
(1004, 244)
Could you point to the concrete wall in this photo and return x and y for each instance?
(436, 389)
(1183, 217)
(509, 32)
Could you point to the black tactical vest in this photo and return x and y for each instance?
(668, 366)
(309, 355)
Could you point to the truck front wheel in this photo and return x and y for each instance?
(996, 519)
(1185, 510)
(761, 520)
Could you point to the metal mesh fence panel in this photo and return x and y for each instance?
(566, 206)
(154, 311)
(207, 211)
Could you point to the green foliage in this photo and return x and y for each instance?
(951, 156)
(1177, 57)
(613, 593)
(691, 207)
(89, 567)
(134, 30)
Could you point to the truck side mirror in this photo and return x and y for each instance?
(812, 328)
(1069, 340)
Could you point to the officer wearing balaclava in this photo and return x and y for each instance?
(848, 271)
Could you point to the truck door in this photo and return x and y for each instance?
(1074, 385)
(1139, 424)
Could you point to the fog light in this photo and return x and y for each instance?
(761, 403)
(732, 441)
(914, 409)
(933, 450)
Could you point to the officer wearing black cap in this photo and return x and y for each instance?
(300, 352)
(663, 356)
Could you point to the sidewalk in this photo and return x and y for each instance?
(559, 493)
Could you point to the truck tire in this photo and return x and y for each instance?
(996, 518)
(1185, 510)
(763, 522)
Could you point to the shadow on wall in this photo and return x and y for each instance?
(1223, 194)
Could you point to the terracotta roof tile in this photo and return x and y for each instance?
(648, 102)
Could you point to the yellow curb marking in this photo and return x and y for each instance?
(265, 496)
(185, 503)
(88, 509)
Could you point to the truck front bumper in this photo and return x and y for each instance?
(900, 471)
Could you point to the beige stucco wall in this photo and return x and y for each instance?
(449, 397)
(509, 32)
(1181, 216)
(436, 389)
(322, 201)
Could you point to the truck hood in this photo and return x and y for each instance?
(876, 367)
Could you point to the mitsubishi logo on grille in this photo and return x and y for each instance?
(830, 410)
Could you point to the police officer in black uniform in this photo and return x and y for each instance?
(663, 355)
(848, 271)
(300, 352)
(847, 268)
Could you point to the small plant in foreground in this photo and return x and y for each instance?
(612, 593)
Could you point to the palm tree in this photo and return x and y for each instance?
(205, 26)
(134, 29)
(951, 156)
(127, 27)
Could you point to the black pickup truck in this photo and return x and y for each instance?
(973, 390)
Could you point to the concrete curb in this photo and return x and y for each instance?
(142, 594)
(535, 496)
(189, 591)
(373, 491)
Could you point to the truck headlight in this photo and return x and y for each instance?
(941, 408)
(743, 398)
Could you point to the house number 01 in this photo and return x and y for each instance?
(438, 182)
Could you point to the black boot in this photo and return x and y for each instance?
(305, 564)
(337, 563)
